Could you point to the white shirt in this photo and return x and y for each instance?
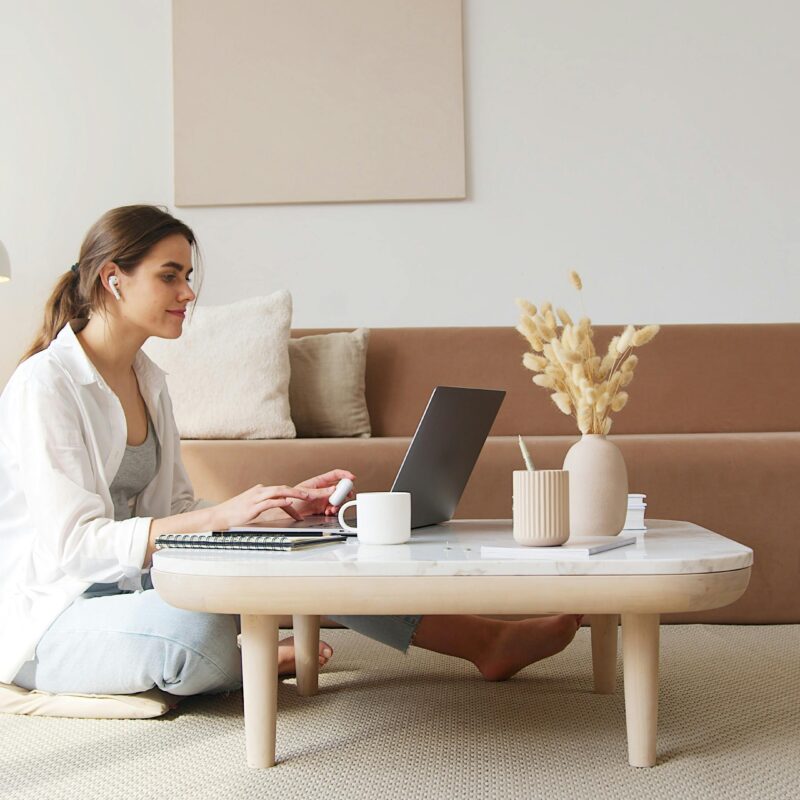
(62, 437)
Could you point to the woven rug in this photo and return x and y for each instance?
(424, 725)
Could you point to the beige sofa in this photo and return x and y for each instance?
(711, 435)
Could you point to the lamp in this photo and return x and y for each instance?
(5, 265)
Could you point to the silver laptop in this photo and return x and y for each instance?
(437, 464)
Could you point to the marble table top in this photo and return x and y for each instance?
(454, 548)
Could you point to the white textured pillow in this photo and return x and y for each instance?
(228, 373)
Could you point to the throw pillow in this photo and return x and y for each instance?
(326, 388)
(228, 373)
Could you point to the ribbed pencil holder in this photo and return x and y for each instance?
(541, 507)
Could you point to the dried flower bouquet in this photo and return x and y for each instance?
(583, 384)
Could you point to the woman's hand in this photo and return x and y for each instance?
(247, 508)
(319, 490)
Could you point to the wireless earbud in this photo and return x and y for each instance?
(339, 494)
(113, 282)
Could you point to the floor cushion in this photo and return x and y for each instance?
(153, 703)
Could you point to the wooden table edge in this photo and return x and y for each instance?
(453, 594)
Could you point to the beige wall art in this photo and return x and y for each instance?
(306, 101)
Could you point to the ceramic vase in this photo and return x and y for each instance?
(598, 487)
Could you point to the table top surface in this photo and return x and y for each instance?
(454, 548)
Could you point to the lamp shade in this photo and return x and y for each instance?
(5, 265)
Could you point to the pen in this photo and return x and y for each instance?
(525, 454)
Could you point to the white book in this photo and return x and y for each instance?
(586, 546)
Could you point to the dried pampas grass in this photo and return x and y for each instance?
(583, 384)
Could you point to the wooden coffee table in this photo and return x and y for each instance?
(674, 566)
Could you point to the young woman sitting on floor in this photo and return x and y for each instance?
(91, 474)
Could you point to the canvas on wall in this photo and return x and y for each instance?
(318, 101)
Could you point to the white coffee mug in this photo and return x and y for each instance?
(382, 517)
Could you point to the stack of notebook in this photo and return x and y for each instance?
(244, 541)
(634, 521)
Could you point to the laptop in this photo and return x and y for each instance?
(437, 464)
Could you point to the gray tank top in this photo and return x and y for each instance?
(137, 468)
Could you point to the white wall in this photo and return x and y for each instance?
(652, 146)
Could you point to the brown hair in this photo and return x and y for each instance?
(123, 235)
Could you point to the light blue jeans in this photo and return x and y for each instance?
(112, 642)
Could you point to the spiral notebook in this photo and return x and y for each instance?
(243, 541)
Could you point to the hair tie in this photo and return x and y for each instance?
(74, 267)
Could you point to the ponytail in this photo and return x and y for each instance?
(65, 303)
(123, 235)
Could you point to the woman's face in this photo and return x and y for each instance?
(155, 296)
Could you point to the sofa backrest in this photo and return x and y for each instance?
(690, 379)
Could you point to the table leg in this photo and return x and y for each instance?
(640, 633)
(306, 643)
(604, 652)
(260, 687)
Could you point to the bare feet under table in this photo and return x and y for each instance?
(674, 566)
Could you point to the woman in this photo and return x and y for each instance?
(91, 475)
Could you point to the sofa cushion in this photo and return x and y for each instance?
(690, 379)
(228, 374)
(326, 387)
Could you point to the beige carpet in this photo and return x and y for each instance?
(424, 726)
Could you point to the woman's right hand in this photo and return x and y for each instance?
(246, 508)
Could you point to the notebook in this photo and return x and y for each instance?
(243, 541)
(586, 546)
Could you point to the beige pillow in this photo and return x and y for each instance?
(228, 373)
(326, 389)
(154, 703)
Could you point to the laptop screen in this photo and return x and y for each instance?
(444, 450)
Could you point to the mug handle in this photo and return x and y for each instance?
(341, 516)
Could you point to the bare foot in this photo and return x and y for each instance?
(286, 665)
(518, 644)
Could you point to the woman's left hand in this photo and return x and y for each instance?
(319, 490)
